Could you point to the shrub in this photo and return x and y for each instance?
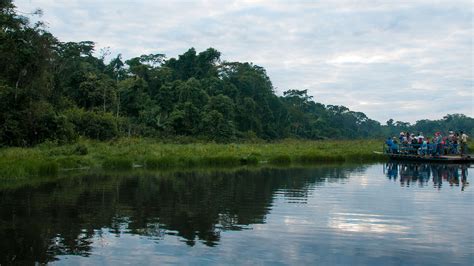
(81, 149)
(95, 125)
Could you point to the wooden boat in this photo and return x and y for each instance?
(430, 158)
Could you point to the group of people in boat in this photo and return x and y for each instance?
(411, 144)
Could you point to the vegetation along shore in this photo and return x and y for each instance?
(127, 153)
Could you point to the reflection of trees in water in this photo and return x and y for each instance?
(421, 173)
(62, 218)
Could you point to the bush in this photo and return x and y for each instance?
(36, 123)
(80, 149)
(100, 125)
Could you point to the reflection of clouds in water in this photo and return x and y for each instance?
(364, 181)
(288, 220)
(425, 196)
(366, 223)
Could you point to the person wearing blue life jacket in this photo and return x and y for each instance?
(389, 144)
(394, 145)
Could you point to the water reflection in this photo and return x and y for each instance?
(67, 217)
(367, 223)
(423, 173)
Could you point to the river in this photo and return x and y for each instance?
(379, 214)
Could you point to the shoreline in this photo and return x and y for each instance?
(128, 153)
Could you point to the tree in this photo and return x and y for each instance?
(190, 91)
(206, 63)
(223, 105)
(143, 65)
(390, 123)
(185, 66)
(216, 127)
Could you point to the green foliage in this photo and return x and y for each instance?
(123, 153)
(117, 163)
(47, 168)
(160, 163)
(249, 160)
(283, 159)
(73, 162)
(223, 104)
(94, 125)
(190, 91)
(227, 160)
(216, 127)
(28, 168)
(81, 149)
(133, 96)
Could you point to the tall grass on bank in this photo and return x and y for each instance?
(117, 163)
(125, 153)
(28, 168)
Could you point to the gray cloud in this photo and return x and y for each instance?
(406, 60)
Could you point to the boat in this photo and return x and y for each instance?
(432, 158)
(407, 153)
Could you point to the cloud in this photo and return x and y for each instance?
(368, 57)
(378, 57)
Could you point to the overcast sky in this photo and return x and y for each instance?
(405, 60)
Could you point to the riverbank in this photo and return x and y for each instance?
(129, 153)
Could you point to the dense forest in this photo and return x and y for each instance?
(58, 91)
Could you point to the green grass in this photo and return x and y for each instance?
(28, 168)
(124, 153)
(117, 163)
(160, 162)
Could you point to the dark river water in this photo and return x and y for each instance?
(381, 214)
